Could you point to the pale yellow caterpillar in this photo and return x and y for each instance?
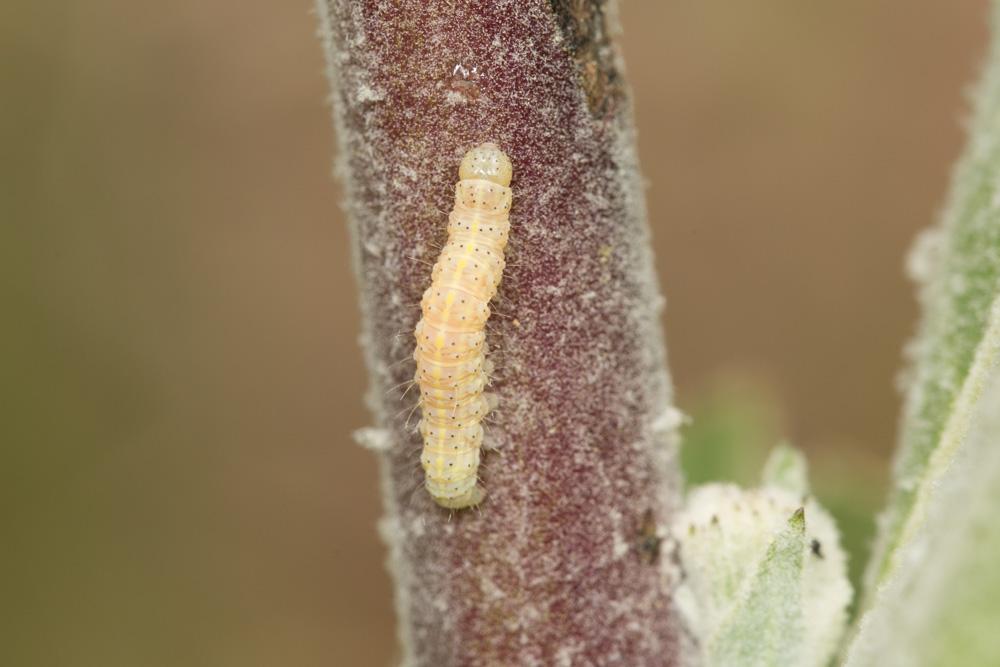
(451, 336)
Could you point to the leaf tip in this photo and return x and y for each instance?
(786, 469)
(798, 520)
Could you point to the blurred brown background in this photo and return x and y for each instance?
(180, 366)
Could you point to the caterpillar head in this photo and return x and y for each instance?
(487, 162)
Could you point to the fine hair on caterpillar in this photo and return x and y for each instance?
(451, 341)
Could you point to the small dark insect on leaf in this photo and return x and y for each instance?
(649, 542)
(816, 548)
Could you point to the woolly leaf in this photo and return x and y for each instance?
(765, 626)
(957, 266)
(761, 588)
(940, 606)
(786, 469)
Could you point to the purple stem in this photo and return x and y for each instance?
(561, 564)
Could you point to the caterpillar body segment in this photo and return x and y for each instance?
(450, 337)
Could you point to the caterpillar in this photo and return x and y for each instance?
(451, 337)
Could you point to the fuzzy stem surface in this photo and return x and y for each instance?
(560, 565)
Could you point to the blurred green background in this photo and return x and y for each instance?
(179, 354)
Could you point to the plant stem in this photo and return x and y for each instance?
(558, 565)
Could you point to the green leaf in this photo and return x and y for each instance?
(958, 267)
(940, 606)
(786, 469)
(761, 588)
(766, 626)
